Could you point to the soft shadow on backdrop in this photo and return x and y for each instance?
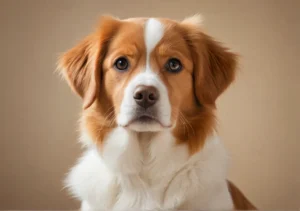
(258, 116)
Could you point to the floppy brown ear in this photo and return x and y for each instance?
(214, 65)
(78, 68)
(81, 65)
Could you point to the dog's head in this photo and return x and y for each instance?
(149, 74)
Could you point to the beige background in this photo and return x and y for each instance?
(259, 115)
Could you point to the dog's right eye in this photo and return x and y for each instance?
(121, 64)
(173, 65)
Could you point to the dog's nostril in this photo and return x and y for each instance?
(152, 96)
(138, 96)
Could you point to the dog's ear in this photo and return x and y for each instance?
(214, 65)
(78, 66)
(81, 66)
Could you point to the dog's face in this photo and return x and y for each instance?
(149, 75)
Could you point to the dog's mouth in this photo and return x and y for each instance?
(146, 119)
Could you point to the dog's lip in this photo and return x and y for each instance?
(147, 117)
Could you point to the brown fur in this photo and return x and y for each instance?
(83, 69)
(239, 200)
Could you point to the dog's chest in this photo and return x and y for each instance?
(162, 160)
(165, 174)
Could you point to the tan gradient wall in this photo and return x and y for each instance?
(259, 115)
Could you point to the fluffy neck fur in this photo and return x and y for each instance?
(146, 171)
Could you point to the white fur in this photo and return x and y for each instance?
(147, 171)
(153, 33)
(196, 20)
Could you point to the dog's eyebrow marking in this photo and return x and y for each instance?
(154, 31)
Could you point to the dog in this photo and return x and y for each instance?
(149, 88)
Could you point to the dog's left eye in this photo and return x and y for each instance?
(173, 65)
(121, 64)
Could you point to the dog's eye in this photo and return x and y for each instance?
(121, 64)
(173, 65)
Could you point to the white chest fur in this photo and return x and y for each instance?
(150, 172)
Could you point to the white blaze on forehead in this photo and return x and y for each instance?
(154, 31)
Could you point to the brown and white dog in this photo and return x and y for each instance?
(149, 87)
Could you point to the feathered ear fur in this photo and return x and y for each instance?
(214, 65)
(81, 66)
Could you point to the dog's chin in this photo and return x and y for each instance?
(145, 127)
(146, 124)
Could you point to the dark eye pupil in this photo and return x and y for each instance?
(121, 64)
(174, 65)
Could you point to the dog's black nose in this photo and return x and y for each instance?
(145, 96)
